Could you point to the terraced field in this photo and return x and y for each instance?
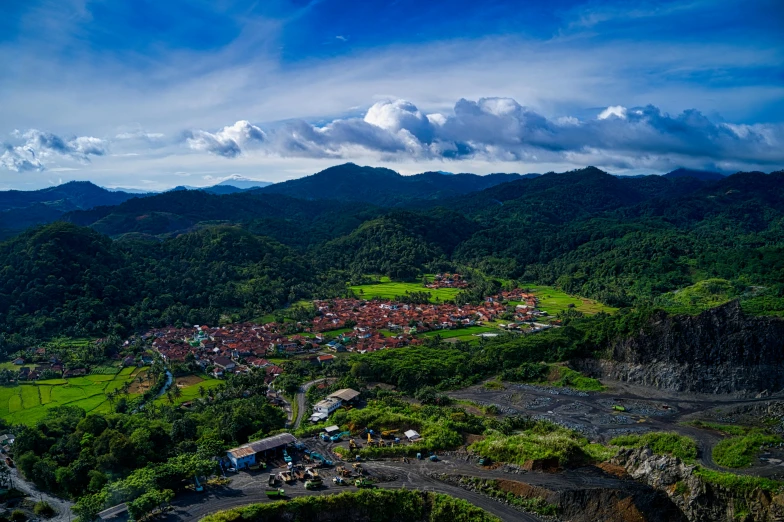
(27, 403)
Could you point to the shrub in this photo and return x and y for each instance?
(44, 509)
(738, 452)
(662, 443)
(18, 516)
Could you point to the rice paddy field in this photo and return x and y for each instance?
(387, 289)
(27, 403)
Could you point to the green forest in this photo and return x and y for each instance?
(191, 257)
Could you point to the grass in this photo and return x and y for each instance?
(27, 403)
(379, 505)
(467, 334)
(739, 483)
(552, 301)
(662, 443)
(727, 429)
(698, 297)
(568, 378)
(191, 391)
(739, 452)
(552, 375)
(386, 289)
(543, 441)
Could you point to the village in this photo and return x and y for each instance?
(339, 326)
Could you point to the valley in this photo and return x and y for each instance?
(574, 346)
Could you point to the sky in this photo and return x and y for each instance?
(148, 94)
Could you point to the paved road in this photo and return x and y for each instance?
(300, 398)
(63, 507)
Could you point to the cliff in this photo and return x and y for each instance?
(718, 351)
(697, 498)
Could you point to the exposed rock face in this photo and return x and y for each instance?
(624, 502)
(698, 500)
(719, 351)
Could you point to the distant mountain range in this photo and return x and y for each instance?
(348, 183)
(380, 186)
(21, 209)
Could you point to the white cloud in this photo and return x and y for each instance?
(616, 110)
(502, 130)
(229, 142)
(39, 146)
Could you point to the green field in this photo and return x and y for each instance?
(27, 403)
(386, 289)
(463, 334)
(190, 390)
(552, 301)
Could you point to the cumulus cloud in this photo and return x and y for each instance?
(500, 129)
(229, 142)
(38, 146)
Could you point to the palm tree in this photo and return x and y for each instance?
(170, 396)
(202, 391)
(177, 391)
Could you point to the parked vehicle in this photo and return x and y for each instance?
(340, 481)
(286, 456)
(314, 483)
(276, 493)
(336, 438)
(363, 483)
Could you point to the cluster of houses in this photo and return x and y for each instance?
(447, 281)
(51, 366)
(356, 325)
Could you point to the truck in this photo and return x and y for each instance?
(363, 483)
(276, 493)
(314, 483)
(286, 456)
(286, 476)
(340, 481)
(271, 481)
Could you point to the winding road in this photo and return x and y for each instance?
(301, 401)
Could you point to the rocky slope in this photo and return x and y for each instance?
(698, 499)
(718, 351)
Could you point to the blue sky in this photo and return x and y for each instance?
(151, 94)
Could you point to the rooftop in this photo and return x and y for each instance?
(346, 394)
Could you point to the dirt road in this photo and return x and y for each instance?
(63, 507)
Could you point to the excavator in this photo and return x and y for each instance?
(336, 438)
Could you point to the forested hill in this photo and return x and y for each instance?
(350, 182)
(193, 257)
(61, 279)
(20, 209)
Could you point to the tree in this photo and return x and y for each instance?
(149, 502)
